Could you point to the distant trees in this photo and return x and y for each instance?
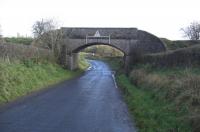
(104, 51)
(192, 31)
(0, 32)
(47, 35)
(19, 40)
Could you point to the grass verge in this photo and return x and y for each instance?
(18, 79)
(151, 114)
(152, 97)
(83, 63)
(178, 86)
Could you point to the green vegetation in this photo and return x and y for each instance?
(18, 79)
(163, 90)
(184, 57)
(24, 69)
(173, 45)
(83, 64)
(106, 53)
(162, 99)
(103, 51)
(151, 114)
(116, 63)
(19, 40)
(177, 87)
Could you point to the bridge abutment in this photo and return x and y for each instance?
(127, 60)
(73, 61)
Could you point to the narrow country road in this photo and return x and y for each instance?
(90, 103)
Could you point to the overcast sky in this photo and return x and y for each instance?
(164, 18)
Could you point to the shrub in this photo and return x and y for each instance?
(185, 57)
(137, 76)
(23, 52)
(174, 45)
(19, 40)
(191, 90)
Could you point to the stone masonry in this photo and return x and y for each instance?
(127, 40)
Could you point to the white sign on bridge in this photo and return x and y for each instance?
(97, 34)
(97, 38)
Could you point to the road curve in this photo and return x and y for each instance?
(90, 103)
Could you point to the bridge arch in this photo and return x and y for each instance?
(127, 40)
(73, 56)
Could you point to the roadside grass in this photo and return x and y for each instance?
(83, 63)
(151, 114)
(19, 78)
(180, 86)
(175, 83)
(160, 99)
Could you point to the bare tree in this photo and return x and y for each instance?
(48, 35)
(43, 26)
(192, 31)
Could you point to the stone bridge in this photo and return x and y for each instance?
(127, 40)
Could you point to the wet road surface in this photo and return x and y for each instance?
(90, 103)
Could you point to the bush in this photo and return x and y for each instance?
(174, 45)
(83, 63)
(23, 52)
(183, 58)
(19, 40)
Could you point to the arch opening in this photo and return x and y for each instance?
(81, 48)
(99, 51)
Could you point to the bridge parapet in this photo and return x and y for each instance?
(99, 40)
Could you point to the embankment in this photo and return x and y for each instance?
(162, 98)
(24, 69)
(184, 57)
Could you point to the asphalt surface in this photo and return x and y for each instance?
(90, 103)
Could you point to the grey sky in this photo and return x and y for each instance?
(163, 18)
